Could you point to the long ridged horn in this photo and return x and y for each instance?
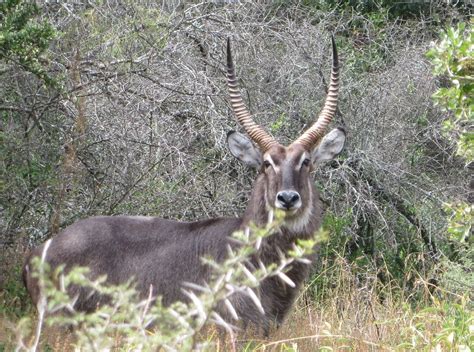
(312, 136)
(255, 132)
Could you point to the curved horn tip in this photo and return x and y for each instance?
(229, 52)
(335, 58)
(317, 130)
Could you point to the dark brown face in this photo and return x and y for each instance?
(287, 175)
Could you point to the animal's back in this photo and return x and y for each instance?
(157, 253)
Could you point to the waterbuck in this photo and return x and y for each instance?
(163, 254)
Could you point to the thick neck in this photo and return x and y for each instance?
(256, 211)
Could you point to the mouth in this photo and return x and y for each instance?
(289, 210)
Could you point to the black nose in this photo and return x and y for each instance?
(288, 198)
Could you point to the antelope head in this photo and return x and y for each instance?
(285, 171)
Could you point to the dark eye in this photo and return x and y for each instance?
(266, 164)
(306, 162)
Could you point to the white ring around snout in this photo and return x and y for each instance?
(295, 207)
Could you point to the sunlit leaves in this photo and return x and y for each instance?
(23, 40)
(453, 56)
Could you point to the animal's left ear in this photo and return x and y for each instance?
(331, 145)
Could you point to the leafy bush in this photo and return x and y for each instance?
(453, 58)
(22, 40)
(455, 333)
(460, 222)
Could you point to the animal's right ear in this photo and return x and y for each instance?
(242, 148)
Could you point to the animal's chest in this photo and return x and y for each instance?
(279, 293)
